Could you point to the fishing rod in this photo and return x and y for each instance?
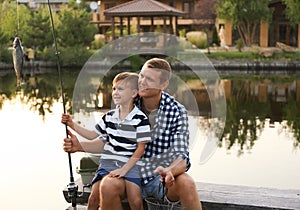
(72, 187)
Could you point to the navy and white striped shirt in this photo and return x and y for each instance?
(170, 137)
(122, 136)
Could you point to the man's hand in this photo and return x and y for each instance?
(167, 175)
(71, 144)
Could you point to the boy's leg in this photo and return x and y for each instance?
(94, 198)
(134, 195)
(112, 192)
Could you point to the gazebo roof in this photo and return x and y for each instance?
(143, 8)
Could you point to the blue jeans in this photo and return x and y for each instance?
(154, 189)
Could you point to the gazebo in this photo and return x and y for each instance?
(144, 9)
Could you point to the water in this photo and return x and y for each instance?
(35, 169)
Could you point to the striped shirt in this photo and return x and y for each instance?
(170, 137)
(122, 136)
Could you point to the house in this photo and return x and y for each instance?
(35, 4)
(197, 15)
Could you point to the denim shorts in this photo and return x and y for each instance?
(154, 188)
(107, 166)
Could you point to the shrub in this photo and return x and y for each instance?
(239, 44)
(5, 54)
(215, 37)
(69, 56)
(198, 38)
(74, 56)
(98, 42)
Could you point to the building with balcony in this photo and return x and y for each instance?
(172, 16)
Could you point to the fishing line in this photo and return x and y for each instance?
(18, 18)
(72, 188)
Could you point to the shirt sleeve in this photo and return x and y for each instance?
(144, 131)
(100, 129)
(181, 137)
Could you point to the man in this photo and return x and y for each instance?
(166, 156)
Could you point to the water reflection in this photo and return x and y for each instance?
(259, 145)
(40, 89)
(250, 101)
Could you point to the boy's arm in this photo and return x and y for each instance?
(71, 144)
(86, 133)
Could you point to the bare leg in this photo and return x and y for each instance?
(94, 199)
(184, 189)
(134, 196)
(112, 192)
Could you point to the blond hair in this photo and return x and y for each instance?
(129, 77)
(160, 65)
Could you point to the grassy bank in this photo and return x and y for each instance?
(252, 56)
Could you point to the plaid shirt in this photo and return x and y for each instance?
(170, 138)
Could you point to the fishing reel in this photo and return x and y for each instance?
(73, 192)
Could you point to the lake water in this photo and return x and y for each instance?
(35, 169)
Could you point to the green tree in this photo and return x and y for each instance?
(245, 16)
(13, 19)
(74, 27)
(38, 32)
(293, 11)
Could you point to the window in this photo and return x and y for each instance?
(186, 7)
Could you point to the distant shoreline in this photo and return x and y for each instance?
(220, 66)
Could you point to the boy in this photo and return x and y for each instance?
(124, 132)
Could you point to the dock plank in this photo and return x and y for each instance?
(228, 197)
(255, 197)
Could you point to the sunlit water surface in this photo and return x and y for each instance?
(35, 170)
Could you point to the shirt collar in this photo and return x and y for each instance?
(116, 114)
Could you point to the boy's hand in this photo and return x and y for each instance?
(67, 120)
(118, 173)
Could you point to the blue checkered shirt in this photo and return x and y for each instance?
(170, 138)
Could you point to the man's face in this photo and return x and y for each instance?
(149, 82)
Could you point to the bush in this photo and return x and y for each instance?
(239, 44)
(215, 37)
(198, 38)
(5, 54)
(98, 42)
(75, 56)
(69, 56)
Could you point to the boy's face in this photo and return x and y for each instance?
(123, 93)
(149, 82)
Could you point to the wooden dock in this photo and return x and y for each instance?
(228, 197)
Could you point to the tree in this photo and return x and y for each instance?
(245, 16)
(13, 19)
(293, 11)
(74, 27)
(38, 32)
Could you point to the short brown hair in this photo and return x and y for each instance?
(131, 78)
(161, 65)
